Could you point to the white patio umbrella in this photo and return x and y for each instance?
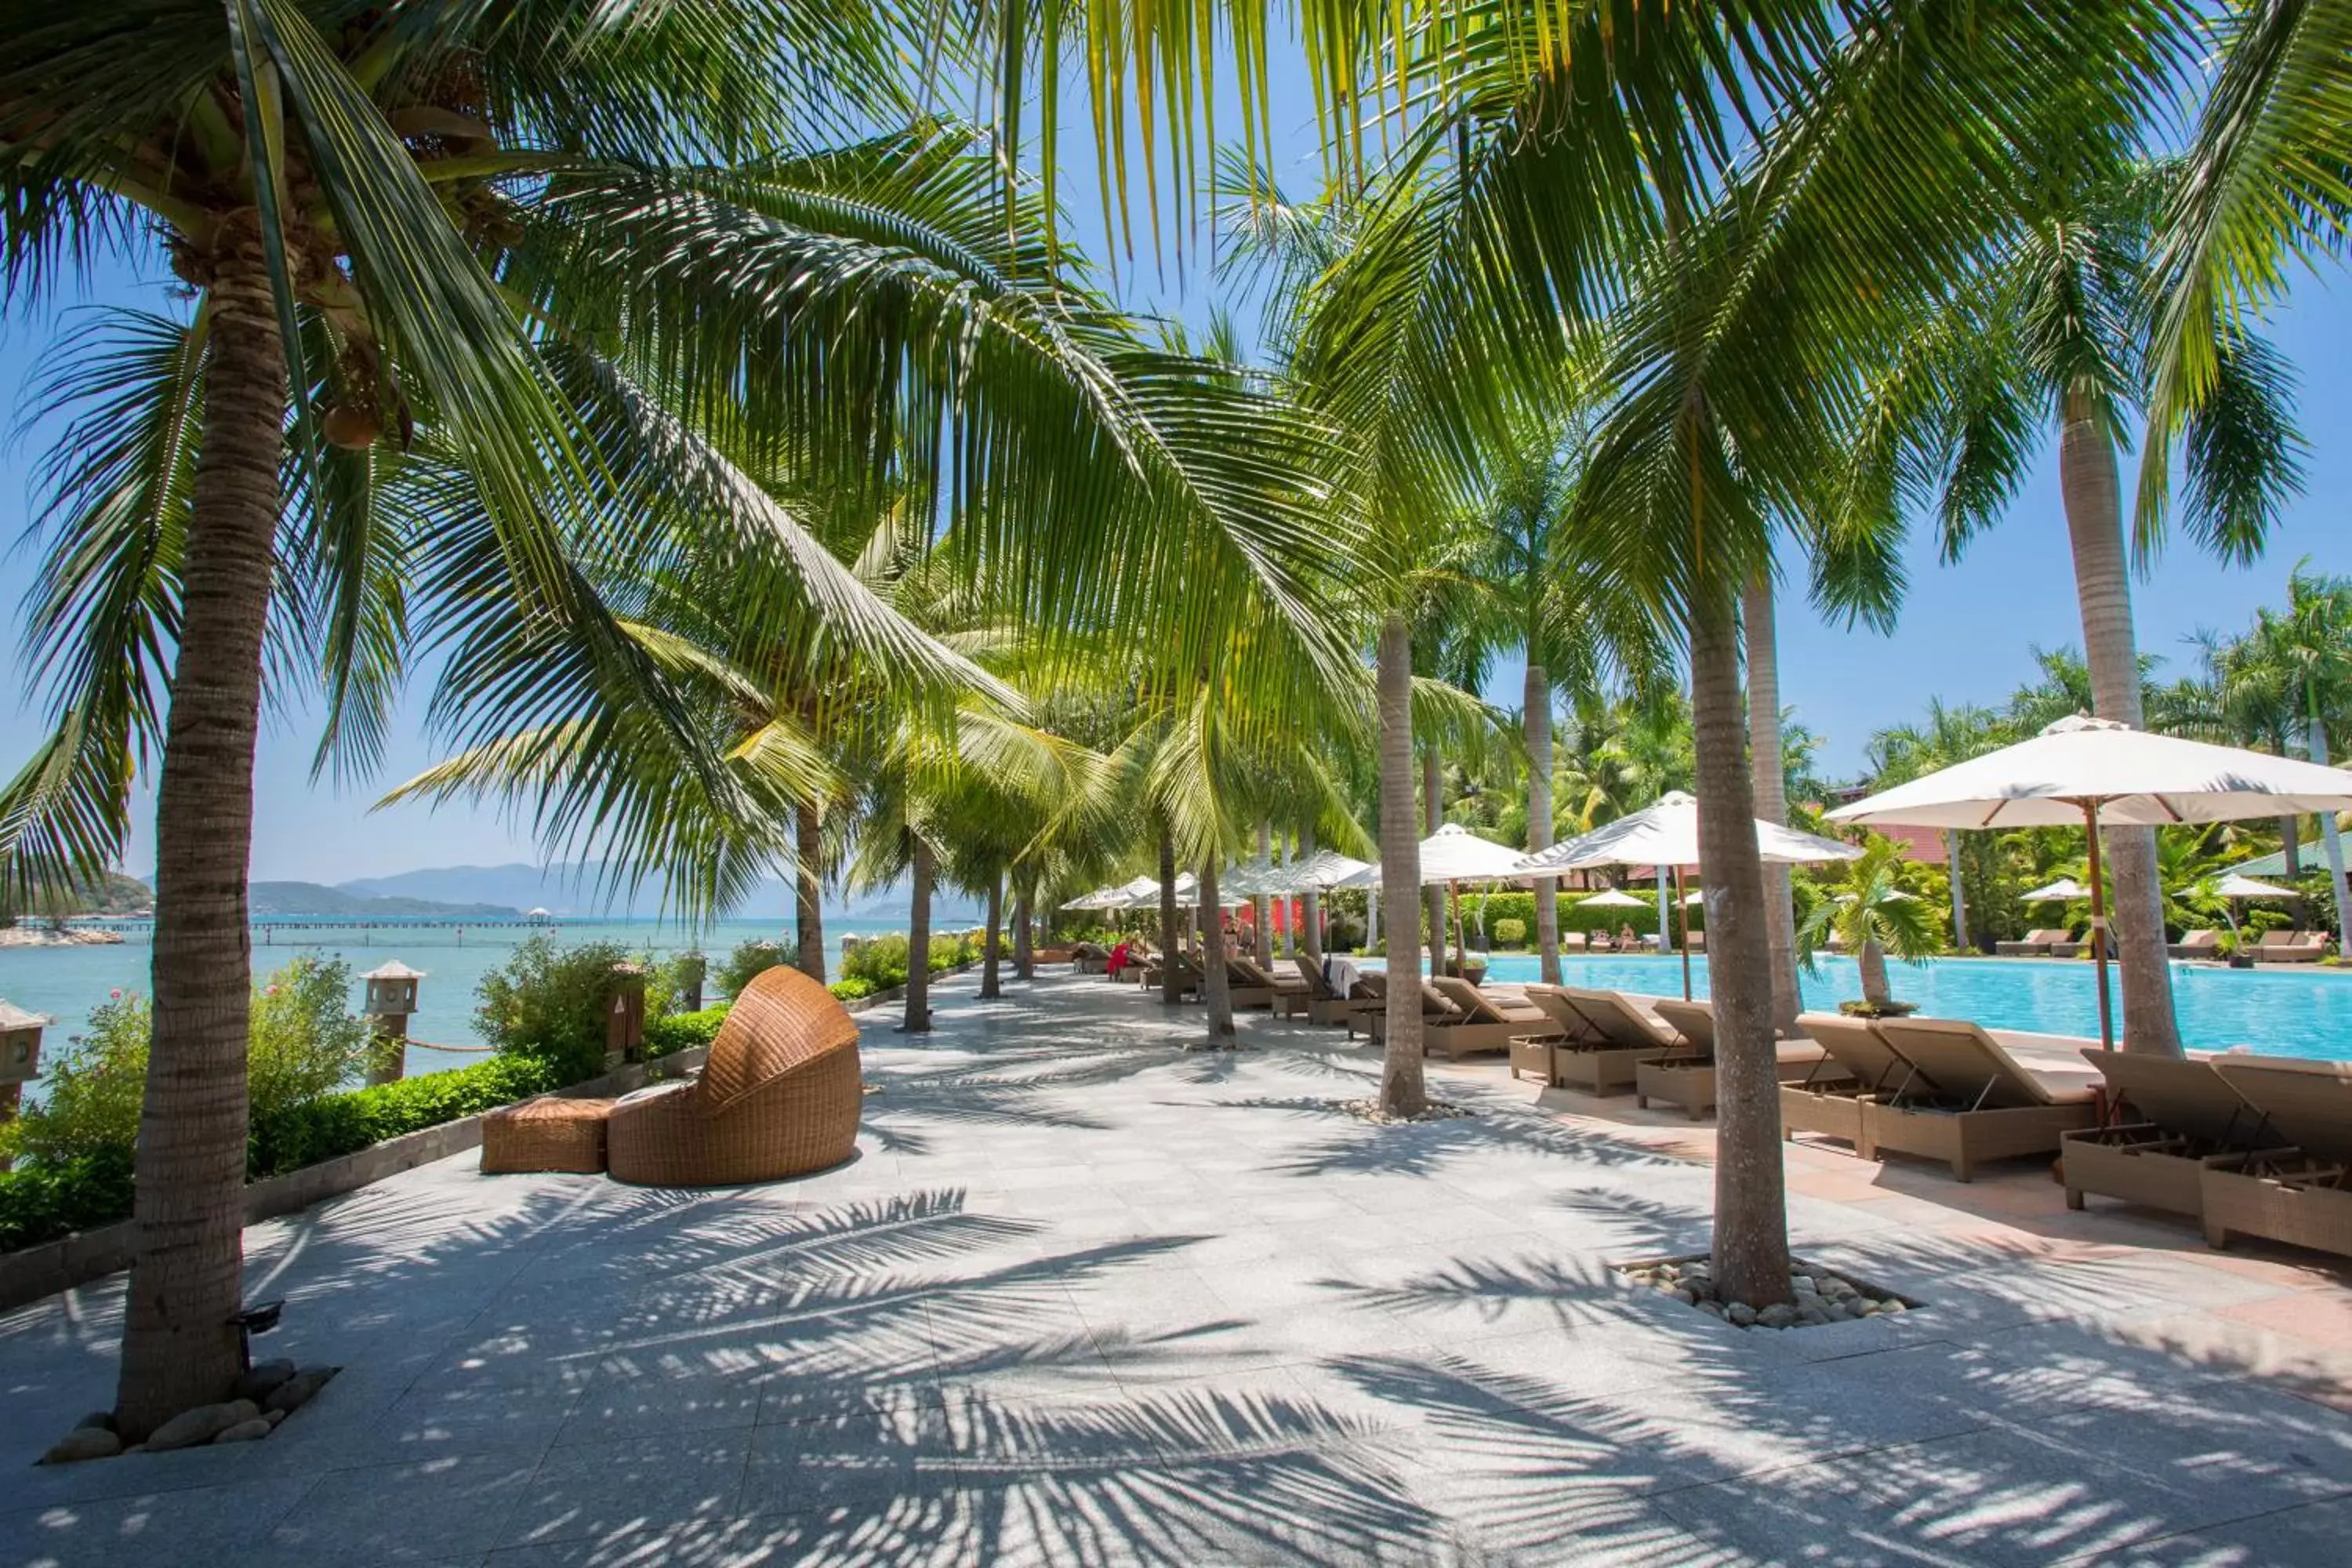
(2238, 886)
(1664, 834)
(2066, 890)
(1327, 868)
(2096, 772)
(1101, 899)
(1614, 899)
(1453, 855)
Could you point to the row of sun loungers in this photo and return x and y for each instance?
(2273, 947)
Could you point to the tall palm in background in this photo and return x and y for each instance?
(2050, 337)
(1950, 734)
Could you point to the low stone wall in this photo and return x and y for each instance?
(76, 1259)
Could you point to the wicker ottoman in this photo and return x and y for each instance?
(550, 1134)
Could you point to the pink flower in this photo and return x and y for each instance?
(270, 991)
(115, 994)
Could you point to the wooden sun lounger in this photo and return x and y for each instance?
(2300, 1193)
(1188, 976)
(1375, 1018)
(1285, 994)
(2291, 947)
(2170, 1119)
(2196, 944)
(2035, 944)
(1856, 1066)
(1606, 1037)
(1481, 1020)
(1324, 1006)
(1689, 1082)
(1986, 1106)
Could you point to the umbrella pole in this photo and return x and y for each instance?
(1683, 910)
(2099, 927)
(1461, 949)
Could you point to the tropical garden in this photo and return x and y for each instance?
(750, 467)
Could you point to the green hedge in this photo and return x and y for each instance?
(684, 1031)
(345, 1123)
(41, 1203)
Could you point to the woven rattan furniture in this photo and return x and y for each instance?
(550, 1134)
(780, 1096)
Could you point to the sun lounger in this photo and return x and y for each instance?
(2291, 947)
(2198, 944)
(1480, 1020)
(1689, 1082)
(2300, 1193)
(1251, 986)
(1985, 1104)
(1435, 1009)
(2035, 944)
(1089, 958)
(1571, 941)
(2168, 1119)
(1606, 1037)
(1324, 1006)
(1188, 975)
(1856, 1066)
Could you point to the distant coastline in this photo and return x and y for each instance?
(43, 936)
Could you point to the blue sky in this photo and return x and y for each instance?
(1966, 634)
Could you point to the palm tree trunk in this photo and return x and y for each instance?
(1310, 913)
(1216, 989)
(1172, 929)
(1763, 642)
(1403, 1089)
(808, 889)
(1872, 961)
(1751, 1221)
(2086, 459)
(2332, 842)
(1432, 808)
(186, 1273)
(1024, 937)
(1536, 719)
(2290, 848)
(918, 943)
(990, 973)
(1262, 906)
(1960, 889)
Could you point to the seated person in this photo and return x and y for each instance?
(1120, 957)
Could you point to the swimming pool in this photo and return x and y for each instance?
(2296, 1013)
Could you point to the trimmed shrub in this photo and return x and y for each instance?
(684, 1031)
(853, 990)
(749, 961)
(306, 1040)
(44, 1201)
(549, 1003)
(318, 1130)
(880, 962)
(91, 1093)
(1509, 932)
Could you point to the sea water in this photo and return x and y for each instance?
(66, 983)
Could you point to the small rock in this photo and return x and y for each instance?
(101, 1419)
(1712, 1309)
(1867, 1309)
(83, 1443)
(265, 1376)
(297, 1391)
(1812, 1317)
(1779, 1315)
(1891, 1305)
(1683, 1293)
(273, 1417)
(136, 1448)
(247, 1431)
(1739, 1314)
(1838, 1288)
(1804, 1285)
(202, 1424)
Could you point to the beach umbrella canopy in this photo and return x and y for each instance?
(1454, 854)
(1101, 899)
(2064, 889)
(1327, 868)
(1613, 899)
(1252, 879)
(2238, 886)
(2095, 772)
(1665, 833)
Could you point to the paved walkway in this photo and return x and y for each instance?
(1087, 1298)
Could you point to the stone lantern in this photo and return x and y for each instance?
(625, 1019)
(20, 1057)
(391, 1002)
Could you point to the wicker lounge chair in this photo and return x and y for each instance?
(1324, 1006)
(1689, 1081)
(1481, 1020)
(2035, 944)
(1089, 958)
(2198, 944)
(778, 1096)
(1435, 1009)
(2168, 1119)
(2291, 947)
(2301, 1194)
(1856, 1066)
(1985, 1104)
(1282, 994)
(1606, 1037)
(1188, 975)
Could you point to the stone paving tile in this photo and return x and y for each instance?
(1087, 1298)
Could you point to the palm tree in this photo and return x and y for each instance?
(1873, 916)
(1949, 735)
(2050, 334)
(2303, 655)
(338, 188)
(1762, 646)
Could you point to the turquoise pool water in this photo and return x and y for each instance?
(2288, 1012)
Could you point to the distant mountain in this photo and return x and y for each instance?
(574, 892)
(314, 899)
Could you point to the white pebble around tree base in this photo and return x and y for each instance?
(1821, 1295)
